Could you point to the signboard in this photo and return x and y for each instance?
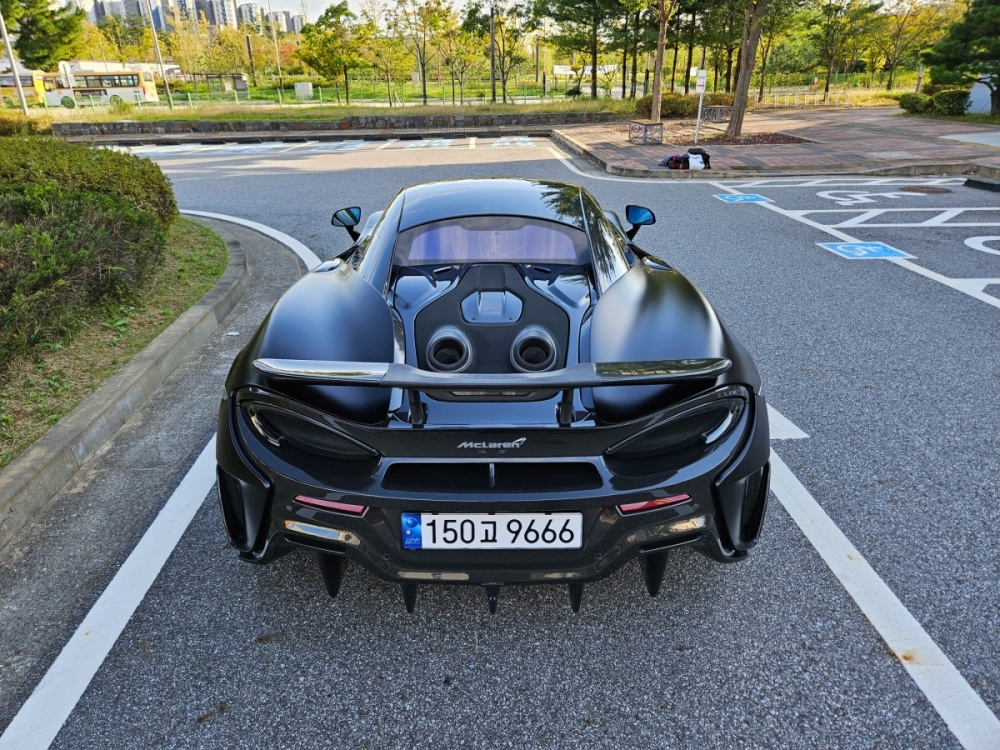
(700, 85)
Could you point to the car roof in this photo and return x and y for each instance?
(449, 199)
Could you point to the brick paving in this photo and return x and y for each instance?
(838, 140)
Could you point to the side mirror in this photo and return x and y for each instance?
(348, 218)
(638, 216)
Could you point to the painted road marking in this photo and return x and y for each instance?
(960, 285)
(515, 141)
(965, 713)
(254, 148)
(979, 243)
(798, 182)
(430, 143)
(781, 427)
(743, 198)
(935, 217)
(863, 250)
(340, 146)
(46, 710)
(387, 144)
(42, 716)
(853, 197)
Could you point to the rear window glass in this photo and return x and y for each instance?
(491, 239)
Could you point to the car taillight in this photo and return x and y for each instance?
(701, 425)
(352, 508)
(278, 425)
(659, 502)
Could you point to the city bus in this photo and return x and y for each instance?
(105, 87)
(31, 84)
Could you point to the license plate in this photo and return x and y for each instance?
(492, 530)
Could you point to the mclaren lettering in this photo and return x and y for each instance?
(492, 446)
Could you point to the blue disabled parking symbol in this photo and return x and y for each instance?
(743, 198)
(863, 250)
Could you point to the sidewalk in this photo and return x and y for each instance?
(854, 141)
(874, 140)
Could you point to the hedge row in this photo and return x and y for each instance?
(34, 160)
(65, 252)
(947, 102)
(15, 123)
(675, 106)
(81, 229)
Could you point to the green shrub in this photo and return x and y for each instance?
(64, 252)
(952, 102)
(672, 106)
(916, 103)
(719, 99)
(42, 160)
(14, 123)
(574, 92)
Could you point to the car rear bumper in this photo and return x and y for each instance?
(722, 518)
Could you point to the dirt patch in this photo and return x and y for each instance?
(748, 139)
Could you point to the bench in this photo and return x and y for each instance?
(717, 113)
(645, 131)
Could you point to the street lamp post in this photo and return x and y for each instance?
(159, 57)
(277, 57)
(13, 67)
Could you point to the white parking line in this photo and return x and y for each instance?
(41, 717)
(965, 713)
(974, 290)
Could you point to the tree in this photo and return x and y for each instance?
(383, 49)
(840, 25)
(421, 22)
(460, 50)
(581, 25)
(512, 23)
(664, 10)
(906, 27)
(329, 46)
(45, 35)
(779, 17)
(970, 50)
(752, 21)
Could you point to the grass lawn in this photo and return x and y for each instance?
(36, 392)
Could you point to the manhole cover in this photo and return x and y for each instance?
(926, 189)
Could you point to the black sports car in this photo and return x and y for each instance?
(493, 385)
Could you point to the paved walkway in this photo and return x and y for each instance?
(838, 141)
(878, 140)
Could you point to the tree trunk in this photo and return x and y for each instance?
(826, 86)
(423, 79)
(763, 70)
(593, 56)
(892, 76)
(995, 102)
(663, 19)
(625, 57)
(752, 20)
(687, 70)
(347, 87)
(729, 70)
(673, 67)
(635, 55)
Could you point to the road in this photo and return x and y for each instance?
(867, 616)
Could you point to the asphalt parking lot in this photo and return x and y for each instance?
(867, 616)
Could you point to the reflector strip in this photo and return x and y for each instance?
(353, 509)
(659, 502)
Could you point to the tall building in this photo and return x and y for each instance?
(298, 21)
(249, 14)
(229, 14)
(277, 19)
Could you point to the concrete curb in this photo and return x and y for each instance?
(29, 482)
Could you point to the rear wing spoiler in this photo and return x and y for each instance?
(525, 386)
